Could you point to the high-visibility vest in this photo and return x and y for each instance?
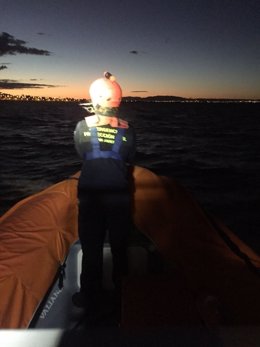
(98, 153)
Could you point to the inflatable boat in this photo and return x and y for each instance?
(206, 276)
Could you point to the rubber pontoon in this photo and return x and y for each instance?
(210, 277)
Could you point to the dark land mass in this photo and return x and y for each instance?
(156, 98)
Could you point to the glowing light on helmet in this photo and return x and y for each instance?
(105, 92)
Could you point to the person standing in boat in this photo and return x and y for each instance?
(106, 144)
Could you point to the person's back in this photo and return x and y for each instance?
(106, 144)
(112, 145)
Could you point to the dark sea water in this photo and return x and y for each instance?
(211, 148)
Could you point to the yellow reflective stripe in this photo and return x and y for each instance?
(107, 130)
(104, 133)
(108, 141)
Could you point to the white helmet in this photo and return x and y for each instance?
(105, 92)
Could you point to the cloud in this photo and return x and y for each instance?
(13, 46)
(14, 84)
(40, 33)
(2, 67)
(137, 52)
(139, 91)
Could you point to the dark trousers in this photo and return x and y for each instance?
(101, 212)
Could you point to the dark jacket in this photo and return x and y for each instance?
(107, 171)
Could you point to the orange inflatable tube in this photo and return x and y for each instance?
(36, 234)
(35, 237)
(200, 248)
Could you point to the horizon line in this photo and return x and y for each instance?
(159, 96)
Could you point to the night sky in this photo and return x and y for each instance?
(200, 48)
